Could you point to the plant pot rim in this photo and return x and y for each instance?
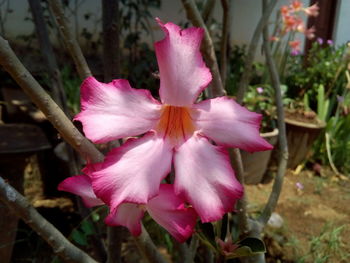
(272, 133)
(319, 125)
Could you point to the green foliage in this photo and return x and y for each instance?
(236, 67)
(324, 65)
(71, 84)
(260, 99)
(326, 247)
(322, 103)
(338, 132)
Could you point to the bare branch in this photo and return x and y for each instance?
(244, 81)
(283, 147)
(69, 39)
(208, 48)
(45, 103)
(20, 206)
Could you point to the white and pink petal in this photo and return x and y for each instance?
(133, 172)
(169, 211)
(81, 185)
(127, 215)
(115, 110)
(204, 176)
(229, 124)
(183, 74)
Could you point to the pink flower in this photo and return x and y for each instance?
(260, 90)
(176, 131)
(227, 247)
(312, 10)
(177, 219)
(81, 185)
(310, 32)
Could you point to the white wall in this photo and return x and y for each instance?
(342, 23)
(246, 14)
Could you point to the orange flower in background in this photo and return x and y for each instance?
(293, 21)
(284, 10)
(295, 45)
(297, 5)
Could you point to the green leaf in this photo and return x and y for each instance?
(248, 247)
(208, 231)
(87, 228)
(79, 237)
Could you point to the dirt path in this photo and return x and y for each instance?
(322, 202)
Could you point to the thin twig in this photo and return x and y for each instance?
(45, 103)
(208, 50)
(247, 72)
(20, 206)
(69, 39)
(226, 25)
(283, 146)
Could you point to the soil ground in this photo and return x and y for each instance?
(313, 213)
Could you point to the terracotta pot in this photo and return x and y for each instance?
(300, 138)
(255, 164)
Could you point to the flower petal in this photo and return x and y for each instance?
(203, 174)
(229, 124)
(183, 74)
(81, 185)
(128, 215)
(115, 110)
(91, 167)
(169, 211)
(133, 172)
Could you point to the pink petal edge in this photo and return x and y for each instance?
(114, 110)
(81, 185)
(229, 124)
(204, 176)
(132, 172)
(127, 215)
(169, 211)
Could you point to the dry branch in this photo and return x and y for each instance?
(283, 147)
(20, 206)
(69, 39)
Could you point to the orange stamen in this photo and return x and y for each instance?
(175, 123)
